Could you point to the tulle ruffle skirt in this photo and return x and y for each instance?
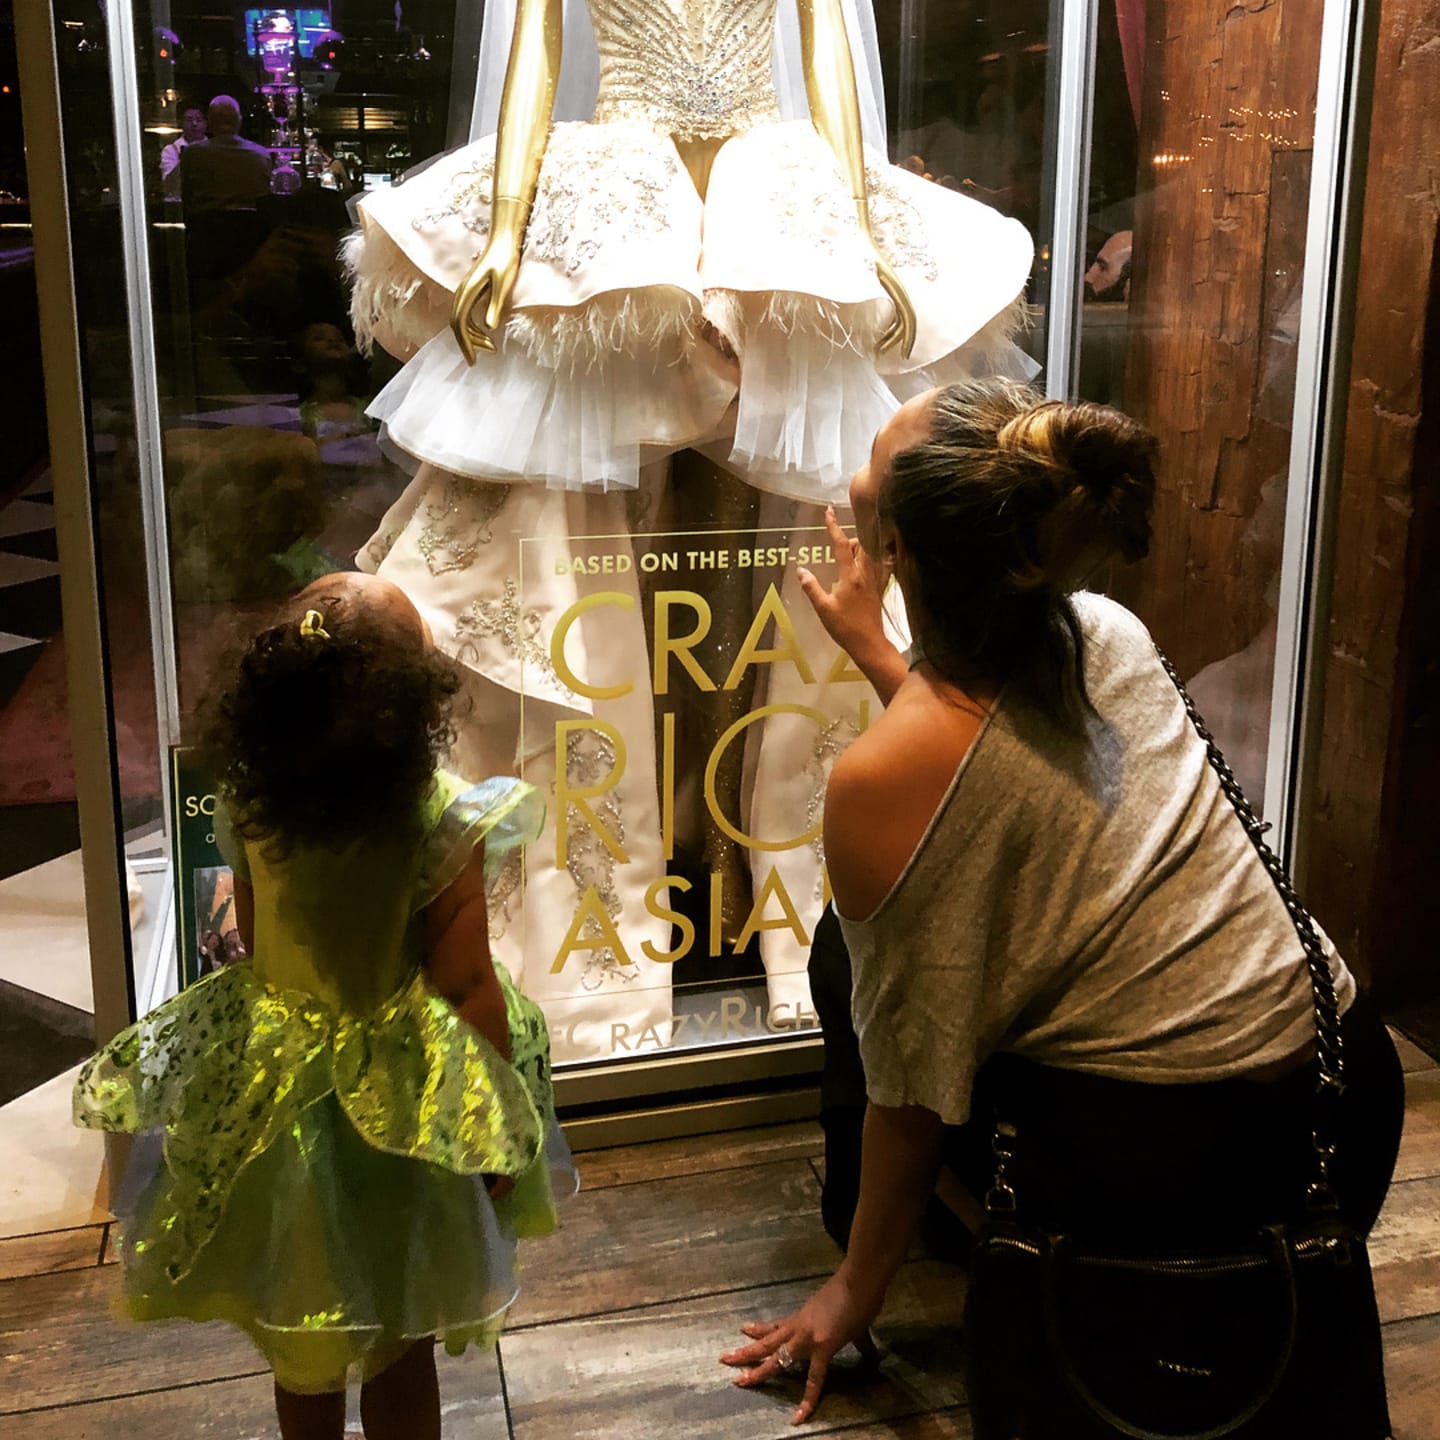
(335, 1257)
(645, 321)
(319, 1179)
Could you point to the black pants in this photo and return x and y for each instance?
(842, 1081)
(1177, 1164)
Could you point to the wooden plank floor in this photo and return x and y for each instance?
(667, 1250)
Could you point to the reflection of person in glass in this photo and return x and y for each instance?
(218, 949)
(1234, 692)
(1108, 278)
(225, 171)
(192, 132)
(329, 407)
(1104, 355)
(565, 326)
(334, 174)
(1053, 911)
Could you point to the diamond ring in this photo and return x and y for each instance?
(788, 1363)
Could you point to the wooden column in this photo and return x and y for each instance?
(1372, 851)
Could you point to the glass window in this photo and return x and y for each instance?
(269, 471)
(604, 524)
(970, 90)
(39, 743)
(1198, 211)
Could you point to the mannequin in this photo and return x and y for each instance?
(483, 298)
(528, 104)
(685, 271)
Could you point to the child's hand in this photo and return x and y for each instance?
(498, 1186)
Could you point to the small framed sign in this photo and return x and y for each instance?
(206, 932)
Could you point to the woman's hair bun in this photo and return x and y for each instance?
(1094, 483)
(1009, 504)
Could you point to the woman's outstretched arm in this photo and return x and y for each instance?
(900, 1154)
(898, 1166)
(852, 611)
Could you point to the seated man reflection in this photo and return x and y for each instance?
(1104, 353)
(223, 180)
(225, 171)
(193, 126)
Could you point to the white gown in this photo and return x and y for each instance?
(646, 320)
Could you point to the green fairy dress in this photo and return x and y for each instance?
(315, 1123)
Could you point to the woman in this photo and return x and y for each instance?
(1033, 861)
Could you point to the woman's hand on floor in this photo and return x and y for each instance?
(898, 1165)
(806, 1341)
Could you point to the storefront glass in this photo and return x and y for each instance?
(54, 712)
(1204, 134)
(639, 647)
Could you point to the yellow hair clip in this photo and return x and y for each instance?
(313, 626)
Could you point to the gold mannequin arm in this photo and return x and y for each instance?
(526, 106)
(835, 109)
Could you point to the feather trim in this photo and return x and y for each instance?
(632, 322)
(737, 316)
(391, 303)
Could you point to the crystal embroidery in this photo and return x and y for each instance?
(507, 883)
(454, 525)
(813, 207)
(589, 758)
(830, 744)
(696, 68)
(596, 188)
(519, 630)
(467, 197)
(575, 214)
(810, 203)
(380, 547)
(898, 226)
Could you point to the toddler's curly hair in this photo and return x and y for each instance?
(323, 739)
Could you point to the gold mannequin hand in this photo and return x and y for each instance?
(483, 294)
(901, 334)
(526, 107)
(835, 109)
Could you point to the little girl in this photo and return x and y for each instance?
(357, 1121)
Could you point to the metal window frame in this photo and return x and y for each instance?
(912, 48)
(87, 666)
(1074, 124)
(1322, 383)
(134, 232)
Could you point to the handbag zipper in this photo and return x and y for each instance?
(1175, 1265)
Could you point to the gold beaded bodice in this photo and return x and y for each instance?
(697, 69)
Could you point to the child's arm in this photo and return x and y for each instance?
(457, 954)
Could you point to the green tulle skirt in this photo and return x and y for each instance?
(320, 1179)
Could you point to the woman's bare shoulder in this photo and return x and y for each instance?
(876, 756)
(884, 791)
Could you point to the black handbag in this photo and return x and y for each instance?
(1277, 1338)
